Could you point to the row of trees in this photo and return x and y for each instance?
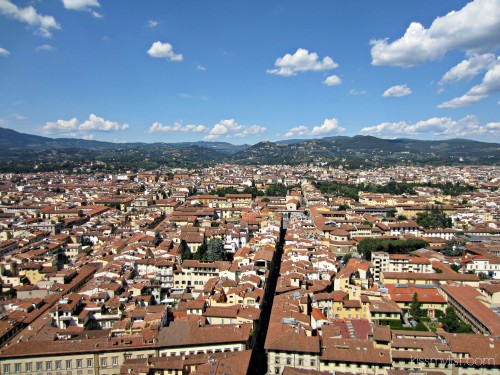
(274, 190)
(368, 245)
(346, 189)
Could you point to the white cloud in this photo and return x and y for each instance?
(152, 24)
(398, 90)
(98, 123)
(299, 130)
(30, 16)
(61, 126)
(489, 85)
(468, 69)
(97, 15)
(72, 128)
(20, 117)
(164, 50)
(177, 127)
(4, 52)
(436, 126)
(357, 92)
(85, 5)
(493, 126)
(329, 126)
(231, 129)
(88, 137)
(45, 47)
(474, 28)
(301, 61)
(200, 68)
(332, 80)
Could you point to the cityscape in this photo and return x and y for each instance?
(265, 187)
(251, 269)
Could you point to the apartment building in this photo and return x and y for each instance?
(385, 262)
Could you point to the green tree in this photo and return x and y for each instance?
(215, 249)
(416, 307)
(201, 252)
(187, 255)
(346, 258)
(276, 190)
(450, 320)
(368, 245)
(433, 218)
(455, 267)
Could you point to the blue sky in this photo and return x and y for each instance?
(247, 71)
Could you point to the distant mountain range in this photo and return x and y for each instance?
(23, 152)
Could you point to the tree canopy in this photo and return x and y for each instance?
(452, 323)
(368, 245)
(433, 218)
(416, 307)
(215, 249)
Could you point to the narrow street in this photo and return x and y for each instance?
(258, 362)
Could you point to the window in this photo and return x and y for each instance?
(6, 368)
(288, 361)
(58, 365)
(89, 362)
(68, 363)
(301, 362)
(276, 370)
(78, 363)
(17, 368)
(39, 366)
(114, 361)
(27, 367)
(277, 360)
(104, 362)
(313, 362)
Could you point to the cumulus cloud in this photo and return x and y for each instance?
(468, 69)
(72, 128)
(200, 68)
(299, 130)
(4, 52)
(332, 80)
(61, 126)
(230, 129)
(493, 126)
(398, 90)
(301, 61)
(29, 15)
(474, 28)
(489, 85)
(176, 128)
(436, 126)
(164, 50)
(85, 5)
(329, 126)
(98, 123)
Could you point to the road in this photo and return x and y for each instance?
(258, 362)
